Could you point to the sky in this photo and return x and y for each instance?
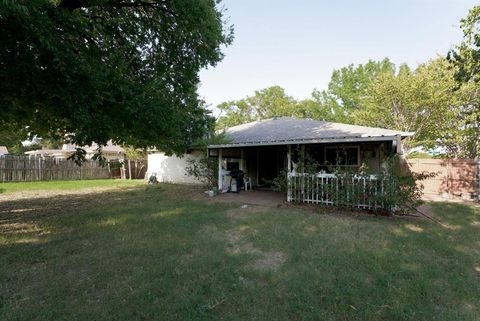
(297, 44)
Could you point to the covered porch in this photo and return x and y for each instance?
(306, 155)
(261, 164)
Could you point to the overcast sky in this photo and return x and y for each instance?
(297, 44)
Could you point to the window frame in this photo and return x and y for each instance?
(357, 147)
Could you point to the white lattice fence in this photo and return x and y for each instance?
(365, 192)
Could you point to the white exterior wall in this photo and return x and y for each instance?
(171, 169)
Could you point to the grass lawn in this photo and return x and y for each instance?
(66, 185)
(152, 253)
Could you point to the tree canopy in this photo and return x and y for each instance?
(466, 56)
(265, 103)
(96, 70)
(421, 101)
(348, 86)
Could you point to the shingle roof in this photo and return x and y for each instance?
(293, 130)
(70, 148)
(109, 148)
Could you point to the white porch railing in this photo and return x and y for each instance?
(364, 192)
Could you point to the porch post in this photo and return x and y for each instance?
(289, 158)
(242, 159)
(220, 171)
(289, 169)
(302, 148)
(399, 146)
(302, 184)
(258, 166)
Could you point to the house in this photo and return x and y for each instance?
(262, 149)
(110, 151)
(3, 150)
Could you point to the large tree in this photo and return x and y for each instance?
(265, 103)
(466, 59)
(96, 70)
(466, 56)
(423, 101)
(347, 87)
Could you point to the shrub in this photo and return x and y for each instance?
(204, 169)
(405, 193)
(280, 183)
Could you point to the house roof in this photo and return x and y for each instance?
(110, 148)
(45, 152)
(289, 130)
(3, 150)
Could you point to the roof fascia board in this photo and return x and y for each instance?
(309, 141)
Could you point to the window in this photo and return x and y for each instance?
(344, 156)
(233, 164)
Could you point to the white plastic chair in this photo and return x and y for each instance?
(246, 182)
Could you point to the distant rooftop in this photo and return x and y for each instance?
(110, 147)
(289, 130)
(70, 148)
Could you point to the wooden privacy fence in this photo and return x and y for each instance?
(454, 177)
(38, 168)
(366, 192)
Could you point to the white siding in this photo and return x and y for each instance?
(171, 168)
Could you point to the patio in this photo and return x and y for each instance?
(259, 197)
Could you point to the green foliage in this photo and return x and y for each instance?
(204, 169)
(133, 153)
(213, 138)
(265, 103)
(466, 56)
(403, 189)
(13, 140)
(347, 87)
(96, 70)
(413, 101)
(466, 59)
(280, 183)
(51, 143)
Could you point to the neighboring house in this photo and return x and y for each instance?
(3, 150)
(264, 148)
(110, 152)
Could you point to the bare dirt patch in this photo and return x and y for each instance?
(24, 214)
(272, 260)
(245, 210)
(35, 194)
(264, 261)
(237, 244)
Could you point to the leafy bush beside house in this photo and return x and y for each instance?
(204, 169)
